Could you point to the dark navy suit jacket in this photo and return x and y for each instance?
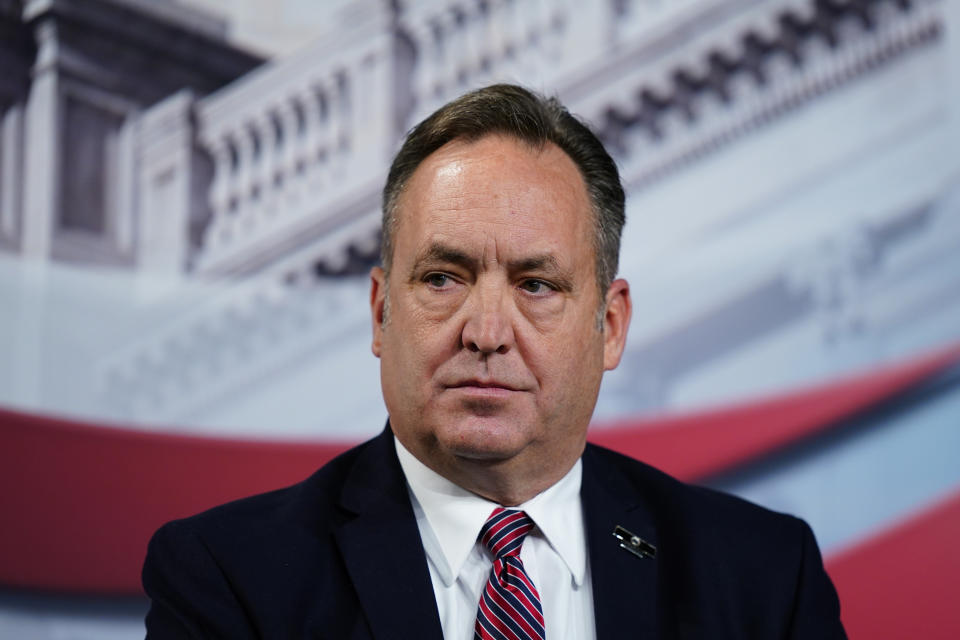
(339, 556)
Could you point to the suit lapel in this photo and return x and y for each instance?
(624, 586)
(382, 550)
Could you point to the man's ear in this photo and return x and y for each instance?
(378, 297)
(616, 322)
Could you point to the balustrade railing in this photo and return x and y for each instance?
(468, 44)
(294, 143)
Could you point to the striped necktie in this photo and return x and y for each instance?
(509, 605)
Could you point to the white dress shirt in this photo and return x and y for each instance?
(554, 554)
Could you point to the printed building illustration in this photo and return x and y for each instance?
(138, 139)
(186, 228)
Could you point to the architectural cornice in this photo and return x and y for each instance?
(16, 52)
(730, 90)
(117, 43)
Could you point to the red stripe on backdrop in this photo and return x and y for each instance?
(696, 445)
(905, 582)
(79, 501)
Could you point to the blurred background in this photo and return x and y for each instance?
(189, 207)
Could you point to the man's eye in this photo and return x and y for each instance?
(535, 286)
(437, 280)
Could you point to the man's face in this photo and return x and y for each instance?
(491, 354)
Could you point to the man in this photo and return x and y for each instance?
(480, 511)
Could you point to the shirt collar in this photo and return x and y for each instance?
(455, 516)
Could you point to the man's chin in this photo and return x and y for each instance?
(484, 441)
(483, 457)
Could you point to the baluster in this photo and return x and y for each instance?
(267, 165)
(219, 194)
(323, 136)
(313, 140)
(248, 150)
(292, 149)
(349, 86)
(346, 104)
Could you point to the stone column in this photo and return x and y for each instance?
(11, 168)
(41, 180)
(125, 189)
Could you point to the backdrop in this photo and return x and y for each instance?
(189, 207)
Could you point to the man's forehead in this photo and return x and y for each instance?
(456, 157)
(494, 169)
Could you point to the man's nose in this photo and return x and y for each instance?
(487, 327)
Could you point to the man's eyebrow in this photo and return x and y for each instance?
(535, 263)
(438, 253)
(544, 263)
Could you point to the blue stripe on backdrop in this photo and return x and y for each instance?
(872, 471)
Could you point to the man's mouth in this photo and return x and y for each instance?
(484, 387)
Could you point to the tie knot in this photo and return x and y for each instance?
(504, 531)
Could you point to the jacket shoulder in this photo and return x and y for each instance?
(254, 563)
(683, 503)
(726, 561)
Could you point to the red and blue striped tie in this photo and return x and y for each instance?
(509, 605)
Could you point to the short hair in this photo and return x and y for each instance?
(519, 113)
